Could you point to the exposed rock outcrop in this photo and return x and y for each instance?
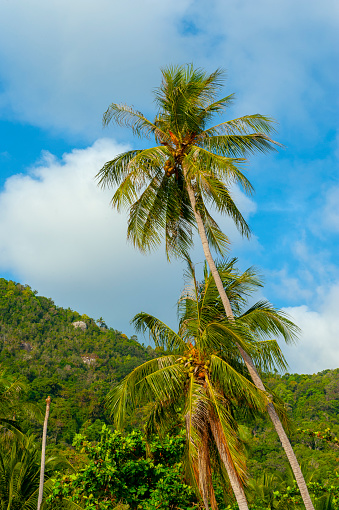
(80, 324)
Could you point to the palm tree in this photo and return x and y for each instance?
(168, 187)
(202, 376)
(19, 475)
(12, 407)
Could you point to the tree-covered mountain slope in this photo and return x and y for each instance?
(313, 405)
(75, 366)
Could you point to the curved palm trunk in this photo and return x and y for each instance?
(43, 452)
(231, 472)
(204, 477)
(247, 359)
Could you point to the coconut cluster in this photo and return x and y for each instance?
(195, 367)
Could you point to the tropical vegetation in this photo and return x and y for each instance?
(167, 187)
(191, 412)
(312, 406)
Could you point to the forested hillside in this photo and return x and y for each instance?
(312, 402)
(75, 367)
(78, 367)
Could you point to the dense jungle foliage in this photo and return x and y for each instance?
(76, 367)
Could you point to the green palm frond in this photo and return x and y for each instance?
(139, 388)
(165, 384)
(223, 429)
(268, 356)
(242, 125)
(215, 191)
(148, 217)
(265, 320)
(163, 336)
(183, 96)
(237, 387)
(229, 333)
(217, 107)
(196, 415)
(203, 162)
(161, 417)
(114, 171)
(125, 115)
(142, 169)
(216, 238)
(20, 474)
(238, 145)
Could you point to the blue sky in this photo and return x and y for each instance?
(62, 64)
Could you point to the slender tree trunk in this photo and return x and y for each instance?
(232, 474)
(247, 359)
(43, 453)
(205, 474)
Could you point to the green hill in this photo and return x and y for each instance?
(77, 367)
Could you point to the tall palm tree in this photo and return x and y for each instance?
(168, 187)
(202, 376)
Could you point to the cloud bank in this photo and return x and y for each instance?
(60, 235)
(62, 64)
(318, 346)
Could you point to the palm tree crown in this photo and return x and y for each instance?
(154, 182)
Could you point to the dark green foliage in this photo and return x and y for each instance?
(312, 402)
(20, 473)
(119, 469)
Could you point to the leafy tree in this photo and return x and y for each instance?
(168, 187)
(127, 470)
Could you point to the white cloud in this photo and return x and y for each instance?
(60, 236)
(63, 63)
(318, 348)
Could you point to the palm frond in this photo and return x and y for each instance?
(238, 145)
(114, 171)
(162, 417)
(125, 115)
(131, 393)
(149, 218)
(242, 125)
(162, 335)
(216, 238)
(223, 429)
(268, 356)
(237, 387)
(265, 320)
(202, 162)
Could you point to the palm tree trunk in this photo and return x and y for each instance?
(231, 472)
(247, 359)
(205, 474)
(43, 453)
